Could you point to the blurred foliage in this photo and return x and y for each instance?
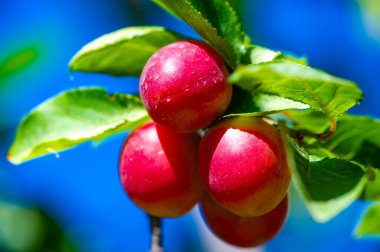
(18, 60)
(371, 14)
(27, 229)
(370, 225)
(11, 65)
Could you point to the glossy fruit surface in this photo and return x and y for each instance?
(183, 86)
(243, 165)
(158, 170)
(243, 231)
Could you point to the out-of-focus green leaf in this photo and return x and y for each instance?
(315, 89)
(21, 228)
(123, 52)
(371, 15)
(327, 185)
(18, 61)
(370, 224)
(74, 117)
(215, 21)
(28, 229)
(372, 189)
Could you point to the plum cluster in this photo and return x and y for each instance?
(238, 170)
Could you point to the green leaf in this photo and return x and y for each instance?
(372, 189)
(309, 120)
(370, 224)
(28, 229)
(315, 89)
(216, 22)
(257, 54)
(327, 185)
(292, 58)
(19, 60)
(357, 138)
(74, 117)
(21, 228)
(123, 52)
(243, 104)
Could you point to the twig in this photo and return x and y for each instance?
(156, 242)
(299, 134)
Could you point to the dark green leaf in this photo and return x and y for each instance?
(370, 224)
(243, 104)
(328, 185)
(314, 89)
(356, 138)
(74, 117)
(123, 52)
(216, 21)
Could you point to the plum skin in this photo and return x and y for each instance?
(243, 231)
(183, 86)
(243, 165)
(158, 170)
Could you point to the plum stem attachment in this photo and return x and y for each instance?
(300, 134)
(155, 227)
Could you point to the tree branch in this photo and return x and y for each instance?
(156, 242)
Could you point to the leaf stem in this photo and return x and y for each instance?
(156, 242)
(300, 134)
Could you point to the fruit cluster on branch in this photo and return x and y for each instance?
(238, 170)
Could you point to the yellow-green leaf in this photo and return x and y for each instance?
(74, 117)
(123, 52)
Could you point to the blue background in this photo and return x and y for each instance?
(81, 189)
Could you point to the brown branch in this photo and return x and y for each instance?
(156, 242)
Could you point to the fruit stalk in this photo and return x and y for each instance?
(156, 242)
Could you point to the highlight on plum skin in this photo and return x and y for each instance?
(158, 170)
(243, 231)
(243, 165)
(183, 86)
